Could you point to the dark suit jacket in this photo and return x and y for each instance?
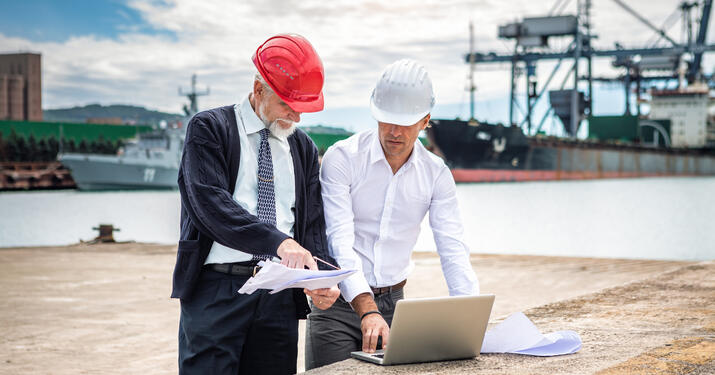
(207, 179)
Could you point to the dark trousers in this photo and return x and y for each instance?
(223, 332)
(333, 333)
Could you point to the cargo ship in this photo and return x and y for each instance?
(493, 153)
(676, 138)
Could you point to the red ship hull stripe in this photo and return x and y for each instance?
(502, 175)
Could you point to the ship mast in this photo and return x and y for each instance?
(192, 95)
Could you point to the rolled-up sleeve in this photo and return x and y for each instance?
(203, 184)
(335, 180)
(448, 233)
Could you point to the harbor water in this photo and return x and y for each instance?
(649, 218)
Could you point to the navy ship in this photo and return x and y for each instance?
(149, 162)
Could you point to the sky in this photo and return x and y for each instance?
(139, 52)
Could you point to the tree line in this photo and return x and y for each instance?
(18, 148)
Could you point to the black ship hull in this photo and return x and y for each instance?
(485, 152)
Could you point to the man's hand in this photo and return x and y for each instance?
(323, 298)
(295, 256)
(372, 326)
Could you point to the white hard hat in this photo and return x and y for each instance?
(403, 95)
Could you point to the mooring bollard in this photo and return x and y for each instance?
(106, 233)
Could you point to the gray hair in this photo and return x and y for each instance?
(269, 91)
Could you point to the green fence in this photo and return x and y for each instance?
(24, 141)
(77, 132)
(71, 131)
(323, 141)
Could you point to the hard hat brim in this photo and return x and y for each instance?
(402, 119)
(304, 107)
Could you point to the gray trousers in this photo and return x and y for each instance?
(333, 333)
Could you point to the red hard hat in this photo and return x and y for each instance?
(293, 69)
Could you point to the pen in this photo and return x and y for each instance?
(324, 262)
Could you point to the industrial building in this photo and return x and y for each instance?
(21, 87)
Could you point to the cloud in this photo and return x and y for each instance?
(356, 40)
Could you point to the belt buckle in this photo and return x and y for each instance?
(256, 269)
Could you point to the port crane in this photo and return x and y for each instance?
(676, 61)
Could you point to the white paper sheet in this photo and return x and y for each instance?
(517, 334)
(277, 277)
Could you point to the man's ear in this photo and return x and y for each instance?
(426, 124)
(257, 90)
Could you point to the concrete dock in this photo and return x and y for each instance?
(88, 309)
(664, 324)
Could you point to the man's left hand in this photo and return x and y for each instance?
(323, 298)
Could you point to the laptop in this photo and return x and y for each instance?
(434, 329)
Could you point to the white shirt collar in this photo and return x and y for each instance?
(376, 152)
(251, 122)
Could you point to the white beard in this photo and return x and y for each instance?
(274, 127)
(280, 132)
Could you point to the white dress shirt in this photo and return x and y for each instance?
(246, 193)
(373, 216)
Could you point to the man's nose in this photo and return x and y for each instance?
(395, 130)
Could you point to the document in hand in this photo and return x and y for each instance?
(277, 277)
(517, 334)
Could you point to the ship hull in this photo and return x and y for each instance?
(492, 153)
(97, 172)
(496, 175)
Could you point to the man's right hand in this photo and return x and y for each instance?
(373, 326)
(295, 256)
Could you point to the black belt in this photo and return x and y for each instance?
(237, 269)
(389, 289)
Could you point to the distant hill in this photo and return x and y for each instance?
(128, 113)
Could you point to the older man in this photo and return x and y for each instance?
(377, 188)
(249, 192)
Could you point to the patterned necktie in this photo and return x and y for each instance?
(266, 193)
